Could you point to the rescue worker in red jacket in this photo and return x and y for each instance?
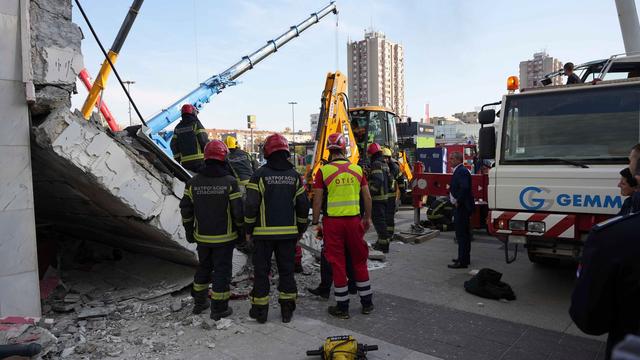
(379, 178)
(189, 139)
(276, 215)
(212, 216)
(337, 190)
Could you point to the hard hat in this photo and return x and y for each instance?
(273, 143)
(374, 148)
(188, 109)
(336, 141)
(231, 142)
(215, 150)
(386, 152)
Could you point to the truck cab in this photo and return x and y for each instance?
(558, 152)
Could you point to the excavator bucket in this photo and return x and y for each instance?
(334, 118)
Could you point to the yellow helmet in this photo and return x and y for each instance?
(386, 152)
(231, 142)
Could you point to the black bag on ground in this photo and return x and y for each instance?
(486, 283)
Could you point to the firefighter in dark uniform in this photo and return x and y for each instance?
(241, 162)
(276, 213)
(379, 187)
(212, 216)
(396, 183)
(189, 139)
(606, 298)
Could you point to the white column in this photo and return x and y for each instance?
(19, 285)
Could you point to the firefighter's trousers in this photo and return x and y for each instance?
(284, 250)
(216, 259)
(390, 215)
(379, 219)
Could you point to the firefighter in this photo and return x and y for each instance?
(212, 216)
(337, 190)
(189, 139)
(396, 183)
(276, 214)
(379, 186)
(240, 161)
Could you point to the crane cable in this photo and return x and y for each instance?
(337, 41)
(106, 56)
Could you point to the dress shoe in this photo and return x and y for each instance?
(457, 265)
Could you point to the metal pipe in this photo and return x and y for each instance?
(629, 25)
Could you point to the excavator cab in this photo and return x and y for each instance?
(374, 124)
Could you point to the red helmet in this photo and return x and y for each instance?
(336, 141)
(373, 149)
(273, 143)
(215, 150)
(188, 109)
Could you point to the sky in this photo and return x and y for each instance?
(458, 53)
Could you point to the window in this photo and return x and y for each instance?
(595, 125)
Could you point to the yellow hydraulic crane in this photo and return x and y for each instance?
(101, 79)
(334, 117)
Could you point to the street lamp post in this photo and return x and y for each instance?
(293, 137)
(129, 83)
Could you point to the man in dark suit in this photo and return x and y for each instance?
(461, 197)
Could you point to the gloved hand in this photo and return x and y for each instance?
(188, 232)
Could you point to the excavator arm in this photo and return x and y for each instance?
(334, 117)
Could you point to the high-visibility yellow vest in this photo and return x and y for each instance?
(342, 181)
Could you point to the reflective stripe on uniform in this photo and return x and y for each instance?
(260, 300)
(342, 180)
(244, 182)
(199, 156)
(300, 191)
(379, 197)
(184, 221)
(187, 192)
(213, 239)
(263, 215)
(275, 230)
(200, 287)
(302, 220)
(220, 295)
(249, 220)
(287, 296)
(252, 186)
(235, 195)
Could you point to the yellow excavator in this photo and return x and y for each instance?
(360, 126)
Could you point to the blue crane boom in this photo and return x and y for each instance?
(215, 84)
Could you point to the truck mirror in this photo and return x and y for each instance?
(487, 117)
(487, 142)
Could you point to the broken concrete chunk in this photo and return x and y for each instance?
(62, 307)
(376, 255)
(95, 312)
(176, 305)
(223, 324)
(72, 298)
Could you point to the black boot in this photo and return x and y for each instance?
(298, 269)
(220, 309)
(320, 291)
(382, 245)
(339, 312)
(286, 310)
(200, 301)
(259, 312)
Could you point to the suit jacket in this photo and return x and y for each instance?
(460, 189)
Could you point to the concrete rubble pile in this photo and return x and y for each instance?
(88, 182)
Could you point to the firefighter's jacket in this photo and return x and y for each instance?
(211, 207)
(379, 178)
(188, 142)
(396, 178)
(242, 165)
(277, 206)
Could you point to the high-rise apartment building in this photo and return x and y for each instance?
(532, 71)
(376, 72)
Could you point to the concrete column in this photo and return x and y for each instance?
(19, 285)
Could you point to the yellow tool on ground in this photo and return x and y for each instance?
(343, 347)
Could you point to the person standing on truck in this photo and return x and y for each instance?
(628, 186)
(607, 293)
(189, 139)
(337, 190)
(572, 78)
(241, 162)
(462, 198)
(379, 179)
(276, 213)
(211, 210)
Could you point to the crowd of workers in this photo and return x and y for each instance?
(231, 202)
